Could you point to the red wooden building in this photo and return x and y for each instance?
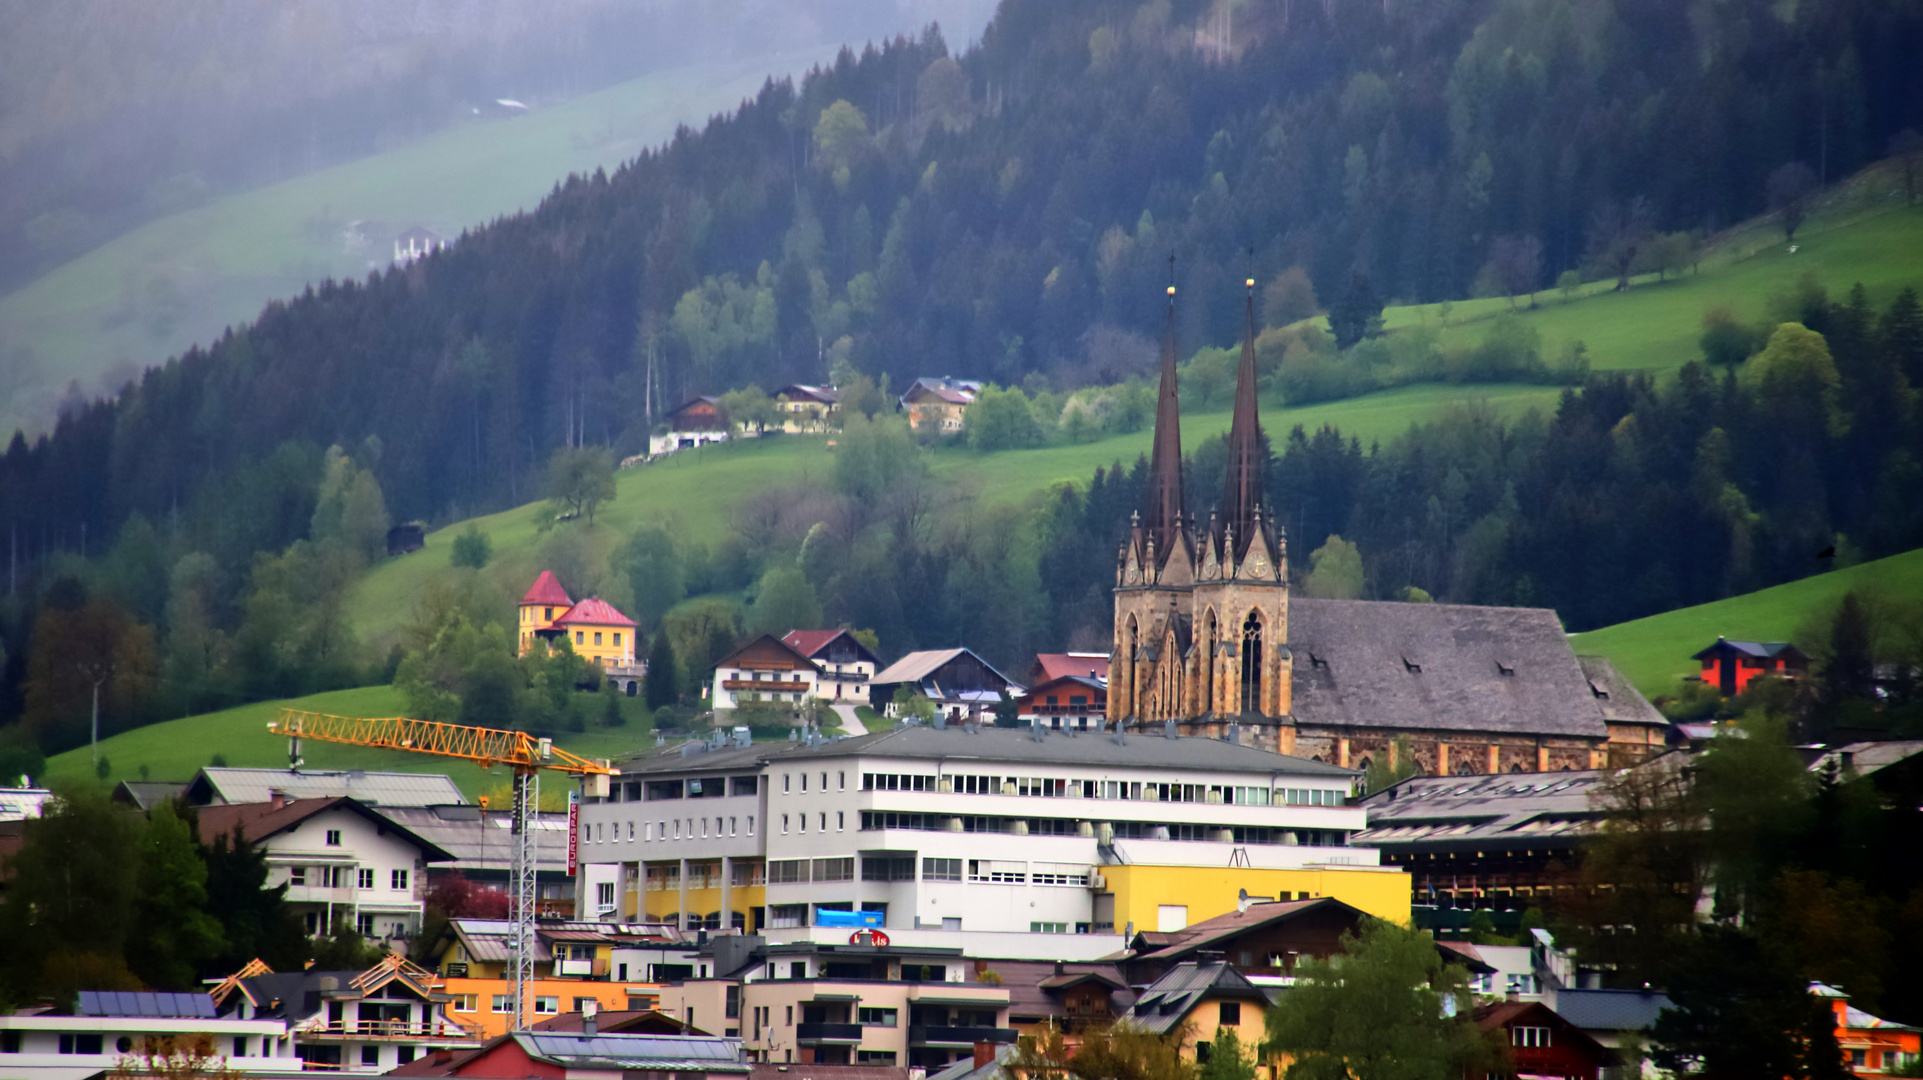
(1071, 701)
(1539, 1042)
(1730, 665)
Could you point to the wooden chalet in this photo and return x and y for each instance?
(1075, 702)
(1730, 665)
(846, 664)
(765, 669)
(695, 422)
(960, 683)
(1538, 1043)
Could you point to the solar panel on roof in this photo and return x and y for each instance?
(145, 1003)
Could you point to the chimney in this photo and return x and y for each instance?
(276, 798)
(1512, 995)
(984, 1054)
(589, 1010)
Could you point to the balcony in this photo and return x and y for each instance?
(580, 969)
(388, 1029)
(959, 1036)
(830, 1034)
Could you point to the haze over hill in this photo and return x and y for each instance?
(187, 166)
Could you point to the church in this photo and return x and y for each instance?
(1208, 640)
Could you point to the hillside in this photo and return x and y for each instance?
(1653, 326)
(174, 749)
(1654, 652)
(179, 280)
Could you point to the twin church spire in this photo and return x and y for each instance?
(1240, 517)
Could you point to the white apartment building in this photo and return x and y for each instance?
(339, 858)
(977, 829)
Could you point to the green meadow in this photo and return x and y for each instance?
(1654, 652)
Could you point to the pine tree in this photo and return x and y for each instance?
(661, 681)
(172, 931)
(255, 918)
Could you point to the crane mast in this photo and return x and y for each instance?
(526, 755)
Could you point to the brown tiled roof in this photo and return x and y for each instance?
(262, 820)
(1061, 665)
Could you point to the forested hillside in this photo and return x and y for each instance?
(1009, 213)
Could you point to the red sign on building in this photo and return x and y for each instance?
(574, 829)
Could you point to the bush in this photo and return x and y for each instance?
(472, 548)
(1726, 341)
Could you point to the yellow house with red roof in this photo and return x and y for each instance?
(597, 630)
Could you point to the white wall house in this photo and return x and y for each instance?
(349, 1021)
(766, 669)
(110, 1027)
(340, 860)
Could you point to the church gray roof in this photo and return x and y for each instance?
(1446, 667)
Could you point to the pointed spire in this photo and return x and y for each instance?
(1242, 492)
(1164, 495)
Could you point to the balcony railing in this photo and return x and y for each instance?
(388, 1029)
(827, 1033)
(959, 1036)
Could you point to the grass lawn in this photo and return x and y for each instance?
(176, 749)
(1654, 652)
(181, 279)
(1654, 326)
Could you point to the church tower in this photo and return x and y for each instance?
(1241, 595)
(1201, 615)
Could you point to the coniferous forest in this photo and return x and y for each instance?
(1008, 213)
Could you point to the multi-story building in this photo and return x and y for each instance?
(941, 402)
(977, 828)
(574, 964)
(766, 669)
(349, 1021)
(846, 665)
(597, 631)
(340, 859)
(113, 1027)
(862, 1003)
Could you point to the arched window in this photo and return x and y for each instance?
(1517, 767)
(1205, 667)
(1252, 663)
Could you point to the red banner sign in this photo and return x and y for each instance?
(574, 830)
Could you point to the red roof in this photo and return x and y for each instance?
(1056, 665)
(547, 590)
(810, 642)
(594, 612)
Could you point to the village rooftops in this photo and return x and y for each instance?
(1062, 665)
(261, 820)
(810, 642)
(222, 785)
(991, 744)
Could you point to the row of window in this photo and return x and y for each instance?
(713, 787)
(872, 820)
(700, 876)
(981, 871)
(974, 784)
(795, 871)
(335, 877)
(672, 829)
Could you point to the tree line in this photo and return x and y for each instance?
(1000, 212)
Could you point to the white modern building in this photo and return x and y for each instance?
(112, 1027)
(972, 828)
(339, 858)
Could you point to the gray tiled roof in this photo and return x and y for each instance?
(1620, 701)
(989, 744)
(673, 1053)
(1485, 669)
(237, 785)
(1610, 1010)
(1166, 1002)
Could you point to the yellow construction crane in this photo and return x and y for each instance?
(486, 747)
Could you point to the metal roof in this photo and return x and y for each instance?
(1610, 1010)
(1550, 809)
(480, 840)
(673, 1053)
(145, 1003)
(237, 785)
(1166, 1002)
(1003, 745)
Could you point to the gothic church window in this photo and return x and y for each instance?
(1252, 663)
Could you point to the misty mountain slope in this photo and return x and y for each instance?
(112, 114)
(182, 279)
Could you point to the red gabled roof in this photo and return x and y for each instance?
(594, 612)
(1056, 665)
(810, 642)
(547, 590)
